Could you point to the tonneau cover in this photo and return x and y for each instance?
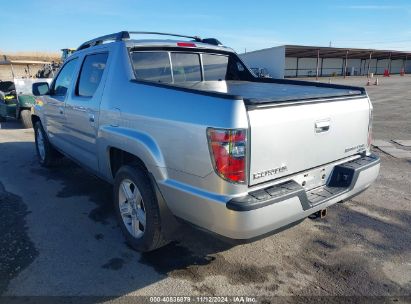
(263, 92)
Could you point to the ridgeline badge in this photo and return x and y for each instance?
(270, 172)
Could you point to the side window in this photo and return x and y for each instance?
(91, 73)
(63, 80)
(152, 66)
(186, 67)
(236, 70)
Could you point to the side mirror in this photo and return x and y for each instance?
(40, 88)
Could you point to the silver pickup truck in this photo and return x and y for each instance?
(185, 132)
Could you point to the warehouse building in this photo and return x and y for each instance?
(313, 61)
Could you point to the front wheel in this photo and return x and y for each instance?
(137, 209)
(46, 154)
(25, 116)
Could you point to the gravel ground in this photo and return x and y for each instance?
(58, 235)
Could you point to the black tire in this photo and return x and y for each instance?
(51, 156)
(152, 237)
(25, 116)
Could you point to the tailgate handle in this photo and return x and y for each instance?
(322, 126)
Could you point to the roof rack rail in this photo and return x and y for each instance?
(116, 37)
(196, 38)
(123, 35)
(212, 41)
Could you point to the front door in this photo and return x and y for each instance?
(54, 103)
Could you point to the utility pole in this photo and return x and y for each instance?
(345, 64)
(369, 65)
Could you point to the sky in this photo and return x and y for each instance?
(49, 25)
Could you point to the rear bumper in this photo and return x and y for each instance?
(343, 179)
(272, 208)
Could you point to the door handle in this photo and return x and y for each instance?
(91, 117)
(61, 111)
(322, 126)
(79, 108)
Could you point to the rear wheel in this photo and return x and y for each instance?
(46, 154)
(137, 209)
(25, 116)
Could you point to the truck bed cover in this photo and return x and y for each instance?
(256, 93)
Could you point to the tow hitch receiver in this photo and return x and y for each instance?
(319, 214)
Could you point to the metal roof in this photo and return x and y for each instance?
(302, 51)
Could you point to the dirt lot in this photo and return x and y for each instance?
(58, 235)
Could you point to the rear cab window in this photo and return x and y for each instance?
(215, 66)
(182, 66)
(186, 67)
(152, 66)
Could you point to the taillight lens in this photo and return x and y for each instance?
(228, 153)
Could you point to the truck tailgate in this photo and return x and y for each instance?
(285, 139)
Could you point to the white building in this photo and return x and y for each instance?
(305, 61)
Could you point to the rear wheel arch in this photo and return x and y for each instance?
(119, 158)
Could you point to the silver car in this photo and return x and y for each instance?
(185, 132)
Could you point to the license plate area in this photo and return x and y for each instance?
(314, 178)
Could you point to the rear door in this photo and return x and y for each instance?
(82, 109)
(294, 138)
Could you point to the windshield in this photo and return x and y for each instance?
(178, 67)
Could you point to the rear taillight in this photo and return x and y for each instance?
(369, 140)
(228, 153)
